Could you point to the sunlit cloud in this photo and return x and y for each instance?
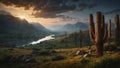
(58, 12)
(28, 15)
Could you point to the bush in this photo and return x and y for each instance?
(56, 58)
(84, 60)
(110, 48)
(47, 52)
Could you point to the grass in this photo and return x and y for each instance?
(106, 62)
(64, 58)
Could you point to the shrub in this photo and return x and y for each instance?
(110, 48)
(59, 57)
(84, 60)
(46, 52)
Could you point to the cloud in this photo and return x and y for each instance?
(4, 12)
(49, 8)
(84, 6)
(112, 11)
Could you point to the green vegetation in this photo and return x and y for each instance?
(59, 58)
(65, 41)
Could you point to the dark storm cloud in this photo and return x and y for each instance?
(83, 6)
(49, 8)
(113, 11)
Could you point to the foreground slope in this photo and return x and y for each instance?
(59, 58)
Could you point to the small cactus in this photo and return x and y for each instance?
(80, 38)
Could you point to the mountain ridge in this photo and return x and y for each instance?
(71, 28)
(16, 31)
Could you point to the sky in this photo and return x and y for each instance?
(59, 12)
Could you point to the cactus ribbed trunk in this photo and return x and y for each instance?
(98, 33)
(99, 49)
(117, 37)
(80, 38)
(109, 31)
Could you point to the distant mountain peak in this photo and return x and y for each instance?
(70, 28)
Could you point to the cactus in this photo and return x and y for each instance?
(75, 38)
(117, 37)
(109, 31)
(98, 33)
(80, 38)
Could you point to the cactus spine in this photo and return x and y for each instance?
(109, 31)
(98, 33)
(117, 37)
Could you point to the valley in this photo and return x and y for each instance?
(59, 34)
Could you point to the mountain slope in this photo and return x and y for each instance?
(70, 28)
(40, 27)
(14, 31)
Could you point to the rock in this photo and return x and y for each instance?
(27, 58)
(77, 53)
(86, 55)
(12, 59)
(81, 52)
(19, 59)
(7, 59)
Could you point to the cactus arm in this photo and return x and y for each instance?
(105, 33)
(92, 29)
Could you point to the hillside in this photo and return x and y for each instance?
(60, 58)
(15, 31)
(64, 41)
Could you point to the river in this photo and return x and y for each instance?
(41, 40)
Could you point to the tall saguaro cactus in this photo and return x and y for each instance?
(98, 33)
(109, 31)
(117, 33)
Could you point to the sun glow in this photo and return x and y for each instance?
(22, 17)
(21, 13)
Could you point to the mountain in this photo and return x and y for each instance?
(40, 27)
(75, 27)
(15, 31)
(70, 28)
